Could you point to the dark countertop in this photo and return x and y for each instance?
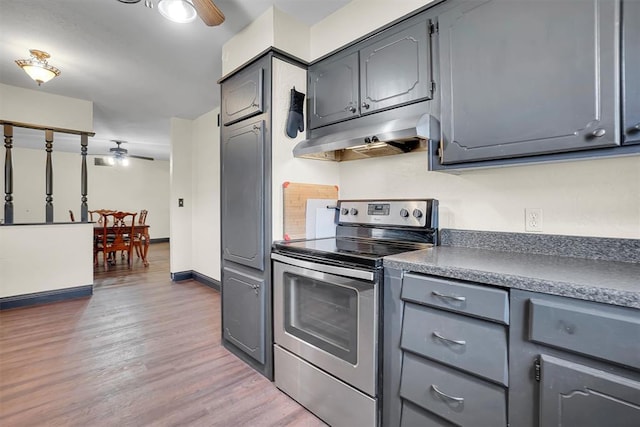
(610, 282)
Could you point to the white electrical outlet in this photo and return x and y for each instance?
(533, 219)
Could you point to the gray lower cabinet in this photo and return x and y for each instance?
(631, 71)
(573, 363)
(390, 69)
(243, 194)
(243, 316)
(523, 78)
(575, 395)
(444, 363)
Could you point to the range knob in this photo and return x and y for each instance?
(417, 213)
(354, 211)
(404, 213)
(344, 211)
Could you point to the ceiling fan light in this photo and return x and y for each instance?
(181, 11)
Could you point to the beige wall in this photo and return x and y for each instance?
(286, 167)
(181, 187)
(206, 195)
(356, 19)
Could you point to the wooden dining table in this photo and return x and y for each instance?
(138, 229)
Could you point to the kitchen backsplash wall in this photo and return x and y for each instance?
(585, 198)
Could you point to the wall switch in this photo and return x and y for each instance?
(533, 219)
(181, 203)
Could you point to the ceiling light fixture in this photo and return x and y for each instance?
(37, 66)
(181, 11)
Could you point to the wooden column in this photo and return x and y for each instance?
(8, 175)
(84, 209)
(49, 175)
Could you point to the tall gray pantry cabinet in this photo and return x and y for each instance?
(245, 158)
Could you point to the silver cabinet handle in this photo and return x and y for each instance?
(637, 126)
(457, 342)
(598, 132)
(350, 108)
(453, 297)
(455, 399)
(365, 105)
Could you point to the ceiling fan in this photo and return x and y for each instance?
(184, 11)
(119, 156)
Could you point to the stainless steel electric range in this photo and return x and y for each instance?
(328, 296)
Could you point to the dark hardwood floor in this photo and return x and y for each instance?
(142, 351)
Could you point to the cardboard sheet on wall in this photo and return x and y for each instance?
(295, 196)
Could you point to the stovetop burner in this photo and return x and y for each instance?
(367, 231)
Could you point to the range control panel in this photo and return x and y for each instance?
(391, 213)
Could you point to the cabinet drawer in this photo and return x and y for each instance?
(606, 332)
(473, 345)
(457, 397)
(480, 301)
(413, 416)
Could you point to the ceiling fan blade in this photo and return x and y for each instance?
(132, 156)
(209, 12)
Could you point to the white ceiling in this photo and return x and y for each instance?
(138, 68)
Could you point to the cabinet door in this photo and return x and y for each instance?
(243, 305)
(243, 195)
(333, 90)
(572, 394)
(524, 77)
(396, 69)
(631, 71)
(242, 96)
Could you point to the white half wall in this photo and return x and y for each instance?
(141, 185)
(39, 258)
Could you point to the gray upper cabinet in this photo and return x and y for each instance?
(243, 194)
(333, 90)
(522, 78)
(396, 69)
(631, 71)
(388, 70)
(242, 97)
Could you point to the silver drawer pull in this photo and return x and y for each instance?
(455, 399)
(458, 342)
(453, 297)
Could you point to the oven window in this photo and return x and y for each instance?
(322, 314)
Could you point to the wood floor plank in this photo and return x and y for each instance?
(142, 351)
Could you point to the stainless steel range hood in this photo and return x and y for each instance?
(396, 131)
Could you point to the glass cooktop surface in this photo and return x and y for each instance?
(348, 250)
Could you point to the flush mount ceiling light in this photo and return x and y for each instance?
(37, 66)
(181, 11)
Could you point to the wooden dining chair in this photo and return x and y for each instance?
(139, 239)
(116, 237)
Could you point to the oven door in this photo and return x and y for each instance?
(328, 318)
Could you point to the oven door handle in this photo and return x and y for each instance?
(331, 269)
